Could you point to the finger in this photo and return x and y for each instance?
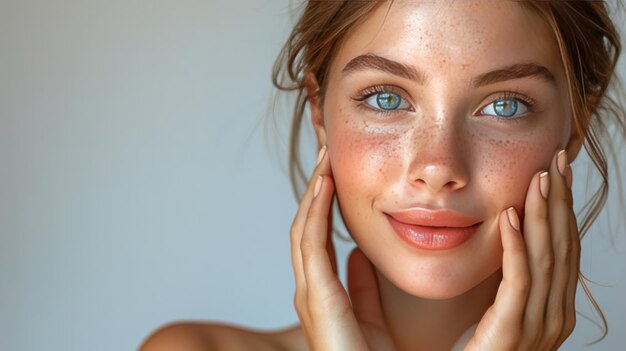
(512, 294)
(572, 282)
(330, 247)
(322, 167)
(559, 208)
(298, 223)
(318, 270)
(363, 290)
(327, 303)
(540, 255)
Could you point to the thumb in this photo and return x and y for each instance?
(363, 290)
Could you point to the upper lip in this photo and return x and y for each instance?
(433, 217)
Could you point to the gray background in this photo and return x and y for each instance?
(142, 181)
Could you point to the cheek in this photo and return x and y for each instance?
(364, 158)
(367, 159)
(508, 165)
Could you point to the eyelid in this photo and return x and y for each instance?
(384, 88)
(512, 95)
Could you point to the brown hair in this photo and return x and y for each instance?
(588, 41)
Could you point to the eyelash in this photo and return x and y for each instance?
(510, 95)
(377, 89)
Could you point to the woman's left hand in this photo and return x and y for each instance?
(534, 307)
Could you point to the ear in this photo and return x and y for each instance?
(574, 145)
(315, 106)
(577, 138)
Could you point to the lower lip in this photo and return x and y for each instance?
(432, 238)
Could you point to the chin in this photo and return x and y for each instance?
(435, 278)
(437, 287)
(437, 282)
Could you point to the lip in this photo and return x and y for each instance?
(427, 229)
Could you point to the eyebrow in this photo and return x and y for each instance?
(515, 71)
(379, 63)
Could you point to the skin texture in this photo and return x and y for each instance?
(516, 277)
(441, 154)
(443, 150)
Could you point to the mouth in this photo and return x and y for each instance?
(433, 230)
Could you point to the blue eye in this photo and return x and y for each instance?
(387, 101)
(505, 108)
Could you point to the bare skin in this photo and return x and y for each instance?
(516, 277)
(210, 336)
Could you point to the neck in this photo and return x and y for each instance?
(423, 324)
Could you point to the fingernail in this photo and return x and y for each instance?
(320, 154)
(318, 186)
(513, 219)
(544, 184)
(561, 161)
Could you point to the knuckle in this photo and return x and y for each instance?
(522, 285)
(294, 233)
(527, 343)
(517, 247)
(563, 250)
(314, 212)
(532, 333)
(294, 227)
(563, 195)
(545, 264)
(571, 325)
(524, 289)
(569, 197)
(298, 308)
(296, 301)
(575, 248)
(299, 303)
(541, 212)
(569, 322)
(306, 247)
(525, 284)
(513, 342)
(567, 331)
(523, 279)
(554, 328)
(570, 201)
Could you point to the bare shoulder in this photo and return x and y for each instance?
(196, 336)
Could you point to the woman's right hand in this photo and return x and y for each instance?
(332, 319)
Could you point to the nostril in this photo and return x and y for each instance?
(437, 184)
(452, 185)
(437, 173)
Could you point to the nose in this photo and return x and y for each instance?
(440, 159)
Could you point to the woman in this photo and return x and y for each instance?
(446, 130)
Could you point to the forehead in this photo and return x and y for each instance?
(449, 35)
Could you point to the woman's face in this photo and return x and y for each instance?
(441, 105)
